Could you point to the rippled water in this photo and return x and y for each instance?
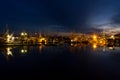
(81, 60)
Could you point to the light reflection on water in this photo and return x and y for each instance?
(72, 48)
(66, 59)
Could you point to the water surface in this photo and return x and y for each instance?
(78, 60)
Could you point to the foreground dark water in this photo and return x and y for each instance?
(76, 60)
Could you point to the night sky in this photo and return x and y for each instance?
(59, 15)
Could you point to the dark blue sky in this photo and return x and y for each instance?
(58, 15)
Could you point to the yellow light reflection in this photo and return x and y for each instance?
(72, 44)
(111, 48)
(9, 52)
(94, 46)
(41, 47)
(104, 50)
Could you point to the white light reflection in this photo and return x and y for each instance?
(9, 52)
(23, 51)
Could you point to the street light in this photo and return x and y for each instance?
(23, 34)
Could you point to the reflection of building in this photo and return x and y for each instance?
(7, 52)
